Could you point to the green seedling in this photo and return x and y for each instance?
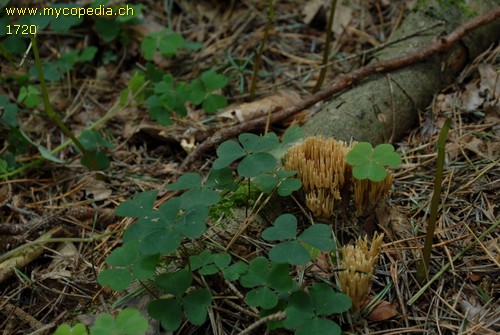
(201, 91)
(326, 50)
(166, 42)
(239, 69)
(167, 98)
(50, 112)
(29, 95)
(260, 51)
(370, 163)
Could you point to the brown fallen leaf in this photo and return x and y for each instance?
(383, 311)
(251, 110)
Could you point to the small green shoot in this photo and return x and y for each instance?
(166, 42)
(201, 91)
(30, 96)
(423, 265)
(370, 163)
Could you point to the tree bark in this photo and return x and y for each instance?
(385, 106)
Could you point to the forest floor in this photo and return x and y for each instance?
(59, 284)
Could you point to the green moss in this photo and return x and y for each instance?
(236, 199)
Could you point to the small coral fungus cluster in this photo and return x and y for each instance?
(357, 265)
(327, 178)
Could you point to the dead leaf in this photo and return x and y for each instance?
(319, 9)
(98, 190)
(249, 111)
(471, 311)
(383, 311)
(311, 8)
(471, 97)
(490, 83)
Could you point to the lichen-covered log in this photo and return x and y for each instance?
(384, 107)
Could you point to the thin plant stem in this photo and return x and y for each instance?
(260, 51)
(50, 112)
(423, 265)
(326, 51)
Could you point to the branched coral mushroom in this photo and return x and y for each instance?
(327, 178)
(368, 193)
(357, 265)
(321, 165)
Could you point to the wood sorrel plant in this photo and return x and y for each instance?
(159, 235)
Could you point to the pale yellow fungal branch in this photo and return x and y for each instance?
(321, 165)
(357, 266)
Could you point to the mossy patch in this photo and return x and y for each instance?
(239, 198)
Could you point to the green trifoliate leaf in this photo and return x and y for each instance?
(385, 154)
(139, 206)
(326, 301)
(167, 311)
(255, 164)
(319, 236)
(196, 305)
(175, 283)
(262, 297)
(285, 228)
(291, 252)
(228, 152)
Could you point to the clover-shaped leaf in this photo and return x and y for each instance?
(167, 311)
(285, 228)
(196, 305)
(370, 163)
(319, 236)
(188, 180)
(326, 301)
(175, 283)
(255, 164)
(288, 186)
(213, 81)
(254, 143)
(291, 252)
(257, 273)
(140, 205)
(262, 297)
(228, 152)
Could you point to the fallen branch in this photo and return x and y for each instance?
(345, 81)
